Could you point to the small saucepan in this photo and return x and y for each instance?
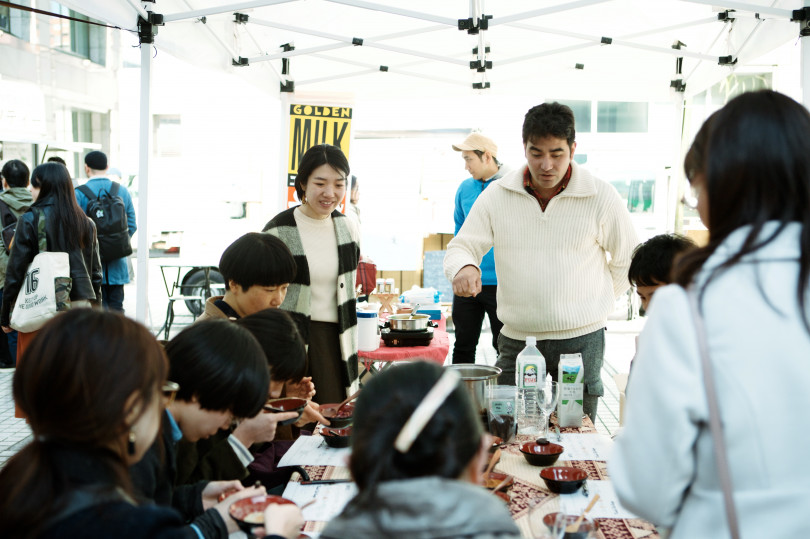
(409, 322)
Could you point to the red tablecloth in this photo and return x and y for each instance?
(435, 352)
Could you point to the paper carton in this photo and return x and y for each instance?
(570, 376)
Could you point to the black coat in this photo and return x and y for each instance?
(114, 515)
(85, 264)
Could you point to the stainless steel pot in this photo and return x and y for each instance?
(406, 322)
(477, 379)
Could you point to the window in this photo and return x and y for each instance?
(168, 135)
(16, 21)
(639, 194)
(92, 127)
(621, 117)
(582, 114)
(85, 40)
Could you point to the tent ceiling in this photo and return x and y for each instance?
(535, 46)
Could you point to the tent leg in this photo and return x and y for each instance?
(805, 66)
(142, 273)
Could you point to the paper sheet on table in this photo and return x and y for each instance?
(585, 446)
(313, 451)
(608, 505)
(331, 499)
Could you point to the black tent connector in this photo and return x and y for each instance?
(357, 41)
(607, 40)
(287, 86)
(486, 50)
(726, 60)
(481, 66)
(384, 68)
(802, 16)
(579, 66)
(726, 15)
(240, 18)
(147, 28)
(480, 85)
(678, 84)
(465, 24)
(241, 61)
(678, 44)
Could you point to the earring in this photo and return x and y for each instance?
(304, 199)
(131, 443)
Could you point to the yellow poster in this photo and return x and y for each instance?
(311, 125)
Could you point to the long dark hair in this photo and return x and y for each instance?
(754, 154)
(444, 448)
(73, 226)
(73, 384)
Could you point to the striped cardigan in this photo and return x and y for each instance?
(297, 302)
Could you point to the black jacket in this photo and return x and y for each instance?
(153, 482)
(85, 264)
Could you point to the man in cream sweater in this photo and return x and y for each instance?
(563, 242)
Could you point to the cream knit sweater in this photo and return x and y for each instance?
(559, 271)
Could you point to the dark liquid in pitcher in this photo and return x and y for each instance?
(502, 426)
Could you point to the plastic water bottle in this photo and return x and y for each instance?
(530, 369)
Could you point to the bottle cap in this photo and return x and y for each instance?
(531, 341)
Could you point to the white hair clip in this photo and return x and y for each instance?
(426, 409)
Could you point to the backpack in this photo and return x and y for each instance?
(8, 223)
(108, 212)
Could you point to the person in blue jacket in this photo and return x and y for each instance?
(480, 158)
(116, 272)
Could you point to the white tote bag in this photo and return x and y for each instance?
(46, 288)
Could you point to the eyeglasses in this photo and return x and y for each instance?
(170, 390)
(690, 197)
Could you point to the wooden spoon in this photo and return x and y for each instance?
(571, 528)
(492, 462)
(349, 399)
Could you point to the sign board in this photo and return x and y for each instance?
(311, 125)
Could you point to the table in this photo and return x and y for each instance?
(528, 486)
(436, 351)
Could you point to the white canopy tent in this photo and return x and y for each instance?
(614, 49)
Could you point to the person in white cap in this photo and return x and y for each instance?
(563, 243)
(480, 156)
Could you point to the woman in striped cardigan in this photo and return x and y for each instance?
(325, 245)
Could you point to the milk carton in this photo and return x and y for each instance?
(570, 376)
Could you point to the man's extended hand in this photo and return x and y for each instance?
(467, 282)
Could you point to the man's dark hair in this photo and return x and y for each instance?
(653, 260)
(549, 120)
(480, 155)
(220, 364)
(281, 341)
(16, 173)
(56, 159)
(322, 154)
(257, 259)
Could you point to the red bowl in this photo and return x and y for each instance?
(287, 404)
(585, 527)
(338, 438)
(541, 454)
(249, 512)
(563, 479)
(344, 419)
(495, 479)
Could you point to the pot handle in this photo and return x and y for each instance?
(432, 324)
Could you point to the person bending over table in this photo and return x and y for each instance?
(750, 168)
(326, 248)
(419, 482)
(257, 269)
(222, 375)
(215, 458)
(91, 418)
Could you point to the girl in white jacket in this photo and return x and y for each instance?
(750, 168)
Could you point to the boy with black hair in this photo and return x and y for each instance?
(652, 263)
(257, 269)
(222, 376)
(14, 201)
